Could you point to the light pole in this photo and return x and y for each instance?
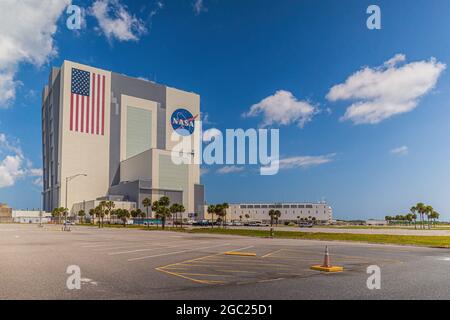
(42, 208)
(68, 179)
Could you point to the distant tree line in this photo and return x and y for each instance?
(425, 213)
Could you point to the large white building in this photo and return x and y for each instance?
(108, 136)
(319, 212)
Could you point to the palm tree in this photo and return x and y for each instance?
(57, 212)
(140, 214)
(81, 214)
(247, 216)
(428, 212)
(109, 206)
(221, 212)
(420, 208)
(433, 216)
(92, 215)
(162, 209)
(277, 215)
(436, 216)
(211, 211)
(154, 207)
(413, 210)
(147, 203)
(123, 215)
(100, 214)
(272, 216)
(174, 210)
(181, 210)
(164, 201)
(134, 214)
(163, 213)
(409, 218)
(225, 206)
(414, 217)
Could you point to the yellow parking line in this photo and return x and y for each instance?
(242, 254)
(189, 278)
(256, 264)
(270, 280)
(205, 274)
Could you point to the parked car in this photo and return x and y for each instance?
(202, 223)
(254, 224)
(305, 224)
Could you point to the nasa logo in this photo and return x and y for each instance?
(183, 122)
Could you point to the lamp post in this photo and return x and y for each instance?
(68, 179)
(42, 208)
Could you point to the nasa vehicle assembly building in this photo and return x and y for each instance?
(108, 136)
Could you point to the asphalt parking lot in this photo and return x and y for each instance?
(136, 264)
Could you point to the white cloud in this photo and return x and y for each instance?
(14, 165)
(116, 22)
(304, 161)
(26, 35)
(283, 108)
(204, 116)
(382, 92)
(204, 171)
(230, 169)
(199, 7)
(159, 6)
(10, 170)
(400, 151)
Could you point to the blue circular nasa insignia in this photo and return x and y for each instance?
(183, 122)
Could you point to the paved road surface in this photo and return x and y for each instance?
(136, 264)
(390, 231)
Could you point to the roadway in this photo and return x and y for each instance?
(137, 264)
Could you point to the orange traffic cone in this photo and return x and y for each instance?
(327, 267)
(326, 260)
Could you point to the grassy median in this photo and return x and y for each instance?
(425, 241)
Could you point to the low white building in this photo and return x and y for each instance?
(34, 217)
(86, 206)
(376, 222)
(319, 212)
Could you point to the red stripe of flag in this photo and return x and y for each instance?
(76, 115)
(98, 105)
(103, 107)
(88, 99)
(93, 102)
(71, 112)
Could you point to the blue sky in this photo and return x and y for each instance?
(237, 53)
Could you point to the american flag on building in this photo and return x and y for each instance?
(87, 102)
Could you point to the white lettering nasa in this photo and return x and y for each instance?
(183, 123)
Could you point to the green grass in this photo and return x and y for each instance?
(422, 241)
(426, 241)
